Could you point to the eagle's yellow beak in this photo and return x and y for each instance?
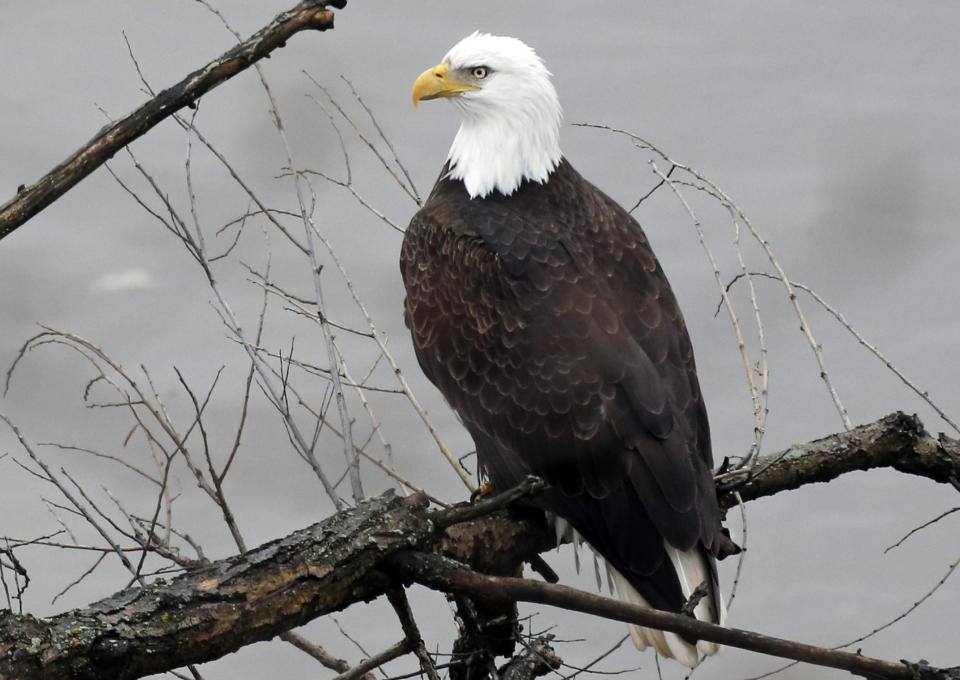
(435, 82)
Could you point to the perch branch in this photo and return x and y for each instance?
(30, 200)
(447, 576)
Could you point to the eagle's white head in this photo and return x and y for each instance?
(510, 114)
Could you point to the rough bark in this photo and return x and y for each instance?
(216, 609)
(537, 659)
(898, 441)
(30, 200)
(219, 608)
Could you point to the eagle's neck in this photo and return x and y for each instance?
(498, 147)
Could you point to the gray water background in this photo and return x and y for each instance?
(833, 125)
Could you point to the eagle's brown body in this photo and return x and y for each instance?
(548, 324)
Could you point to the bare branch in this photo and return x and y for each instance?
(409, 190)
(80, 508)
(313, 650)
(447, 576)
(195, 617)
(701, 183)
(363, 668)
(921, 528)
(896, 619)
(873, 349)
(398, 598)
(306, 15)
(897, 441)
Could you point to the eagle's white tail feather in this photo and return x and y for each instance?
(692, 570)
(667, 644)
(565, 532)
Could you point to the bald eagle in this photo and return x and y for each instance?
(539, 310)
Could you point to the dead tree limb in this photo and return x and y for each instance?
(221, 607)
(218, 608)
(364, 668)
(398, 598)
(30, 200)
(317, 652)
(898, 441)
(448, 576)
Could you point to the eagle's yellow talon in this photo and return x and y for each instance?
(484, 490)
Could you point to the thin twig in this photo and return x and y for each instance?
(920, 528)
(363, 668)
(873, 349)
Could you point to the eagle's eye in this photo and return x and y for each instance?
(479, 72)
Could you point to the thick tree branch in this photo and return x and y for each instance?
(897, 441)
(219, 608)
(30, 200)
